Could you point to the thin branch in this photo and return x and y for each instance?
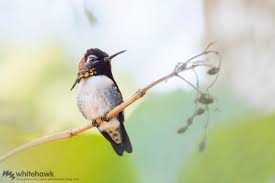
(197, 78)
(139, 94)
(201, 54)
(191, 84)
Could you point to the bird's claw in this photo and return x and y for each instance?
(94, 123)
(104, 117)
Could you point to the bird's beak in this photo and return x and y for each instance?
(81, 66)
(116, 54)
(76, 81)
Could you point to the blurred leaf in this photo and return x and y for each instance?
(244, 153)
(90, 17)
(36, 92)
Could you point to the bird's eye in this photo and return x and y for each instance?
(91, 58)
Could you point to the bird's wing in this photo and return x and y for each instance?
(114, 98)
(113, 95)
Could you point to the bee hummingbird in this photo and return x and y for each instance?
(99, 94)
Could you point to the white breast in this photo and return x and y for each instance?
(92, 103)
(90, 100)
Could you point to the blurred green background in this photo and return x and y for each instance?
(42, 42)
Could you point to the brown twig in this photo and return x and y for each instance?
(139, 94)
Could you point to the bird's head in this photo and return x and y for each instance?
(94, 62)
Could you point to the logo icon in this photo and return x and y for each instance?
(8, 173)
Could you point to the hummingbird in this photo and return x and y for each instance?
(99, 94)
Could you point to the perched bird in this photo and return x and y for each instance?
(99, 94)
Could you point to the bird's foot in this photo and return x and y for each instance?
(104, 118)
(94, 123)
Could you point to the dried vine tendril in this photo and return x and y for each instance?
(203, 99)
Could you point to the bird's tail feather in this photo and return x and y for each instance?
(126, 141)
(124, 146)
